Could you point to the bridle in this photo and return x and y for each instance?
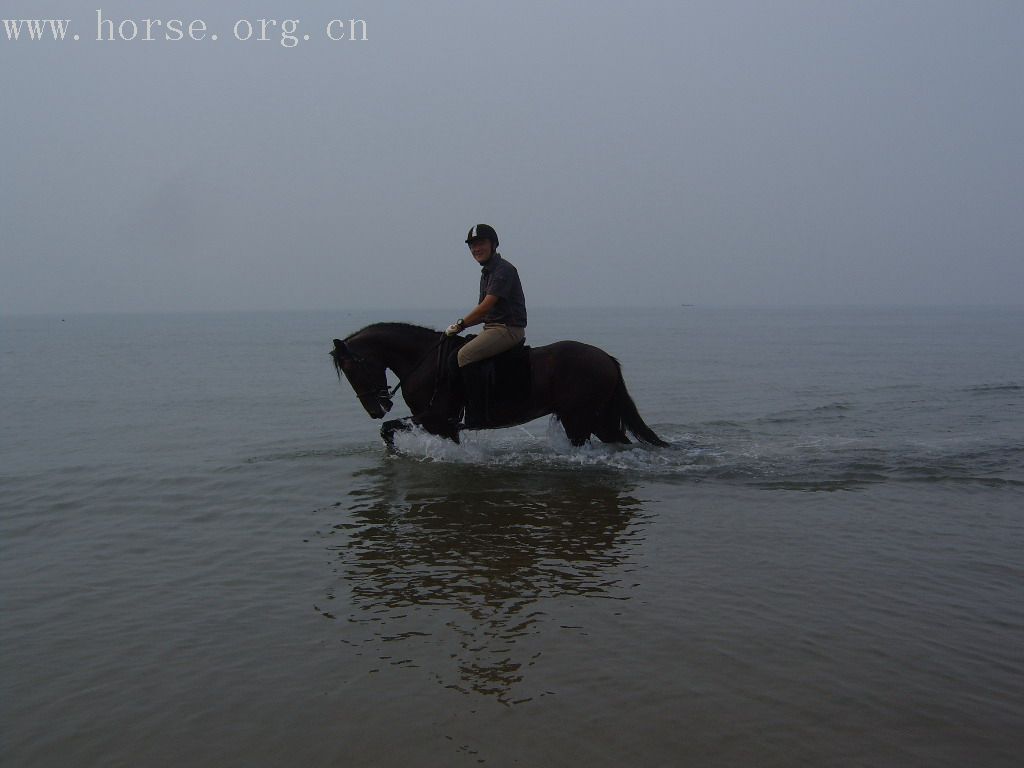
(383, 394)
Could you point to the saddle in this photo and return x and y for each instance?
(502, 380)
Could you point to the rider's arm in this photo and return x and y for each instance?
(476, 315)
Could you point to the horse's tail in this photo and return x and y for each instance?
(629, 416)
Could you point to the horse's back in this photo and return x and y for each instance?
(574, 352)
(565, 366)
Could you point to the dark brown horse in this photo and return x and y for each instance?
(578, 383)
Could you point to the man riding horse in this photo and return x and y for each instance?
(501, 308)
(580, 384)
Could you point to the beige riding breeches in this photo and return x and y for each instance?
(492, 340)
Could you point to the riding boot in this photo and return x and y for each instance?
(474, 385)
(456, 399)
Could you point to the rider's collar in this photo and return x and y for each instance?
(495, 258)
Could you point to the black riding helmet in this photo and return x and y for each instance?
(485, 231)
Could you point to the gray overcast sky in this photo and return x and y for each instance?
(628, 153)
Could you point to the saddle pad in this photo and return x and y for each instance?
(509, 374)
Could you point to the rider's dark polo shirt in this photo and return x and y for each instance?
(499, 278)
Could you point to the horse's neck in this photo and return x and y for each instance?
(403, 354)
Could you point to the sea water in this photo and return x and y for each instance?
(209, 559)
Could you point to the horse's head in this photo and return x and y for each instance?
(367, 376)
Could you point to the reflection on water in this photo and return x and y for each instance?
(459, 569)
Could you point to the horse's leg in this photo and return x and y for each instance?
(609, 428)
(581, 423)
(577, 428)
(607, 433)
(388, 429)
(440, 426)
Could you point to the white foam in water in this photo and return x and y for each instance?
(519, 446)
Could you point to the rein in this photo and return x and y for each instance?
(423, 358)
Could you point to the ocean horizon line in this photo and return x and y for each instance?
(537, 308)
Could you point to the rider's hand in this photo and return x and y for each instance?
(454, 329)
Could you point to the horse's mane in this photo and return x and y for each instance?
(400, 327)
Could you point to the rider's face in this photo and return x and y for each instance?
(481, 249)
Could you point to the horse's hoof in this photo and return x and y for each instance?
(389, 428)
(387, 432)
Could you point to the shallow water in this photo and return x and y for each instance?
(209, 559)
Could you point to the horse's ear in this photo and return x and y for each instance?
(338, 354)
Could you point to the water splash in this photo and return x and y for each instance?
(727, 452)
(522, 447)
